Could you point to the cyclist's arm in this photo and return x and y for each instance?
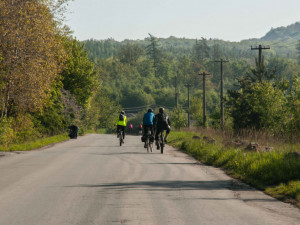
(169, 122)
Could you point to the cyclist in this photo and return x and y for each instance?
(162, 122)
(148, 124)
(140, 128)
(121, 123)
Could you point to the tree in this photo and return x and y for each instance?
(201, 50)
(130, 53)
(294, 106)
(298, 51)
(79, 76)
(32, 55)
(179, 118)
(268, 103)
(196, 110)
(154, 53)
(257, 102)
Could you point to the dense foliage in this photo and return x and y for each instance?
(153, 72)
(49, 80)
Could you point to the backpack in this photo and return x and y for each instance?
(162, 119)
(121, 117)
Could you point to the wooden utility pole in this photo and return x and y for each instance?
(260, 48)
(204, 97)
(222, 99)
(188, 87)
(176, 93)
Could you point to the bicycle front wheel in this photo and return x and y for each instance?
(147, 144)
(121, 138)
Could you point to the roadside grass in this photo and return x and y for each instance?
(101, 131)
(276, 172)
(35, 144)
(289, 192)
(41, 142)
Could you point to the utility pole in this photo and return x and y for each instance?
(204, 97)
(260, 48)
(188, 87)
(222, 99)
(176, 93)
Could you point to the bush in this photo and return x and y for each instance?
(7, 134)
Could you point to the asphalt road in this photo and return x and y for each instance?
(92, 180)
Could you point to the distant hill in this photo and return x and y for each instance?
(291, 32)
(282, 41)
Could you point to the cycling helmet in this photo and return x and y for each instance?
(122, 112)
(161, 110)
(150, 110)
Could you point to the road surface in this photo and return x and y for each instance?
(92, 180)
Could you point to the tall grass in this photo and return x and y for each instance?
(35, 144)
(262, 170)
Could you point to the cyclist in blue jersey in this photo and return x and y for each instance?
(148, 124)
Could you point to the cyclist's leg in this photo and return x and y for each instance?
(157, 132)
(123, 129)
(152, 132)
(144, 131)
(167, 128)
(118, 130)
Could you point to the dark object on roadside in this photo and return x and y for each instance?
(73, 131)
(196, 137)
(293, 155)
(209, 140)
(253, 147)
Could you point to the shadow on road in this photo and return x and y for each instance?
(170, 185)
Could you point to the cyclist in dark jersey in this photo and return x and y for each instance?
(162, 122)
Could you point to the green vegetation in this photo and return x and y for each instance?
(47, 81)
(53, 80)
(277, 172)
(41, 142)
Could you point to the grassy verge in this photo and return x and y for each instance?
(276, 172)
(35, 144)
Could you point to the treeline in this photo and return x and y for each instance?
(47, 81)
(149, 72)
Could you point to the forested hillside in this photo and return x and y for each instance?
(153, 71)
(49, 80)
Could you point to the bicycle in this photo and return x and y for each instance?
(121, 140)
(160, 143)
(149, 141)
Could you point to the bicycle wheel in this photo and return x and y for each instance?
(147, 143)
(150, 146)
(162, 144)
(121, 138)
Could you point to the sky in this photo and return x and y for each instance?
(229, 20)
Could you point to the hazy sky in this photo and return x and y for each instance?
(231, 20)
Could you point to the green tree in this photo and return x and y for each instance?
(178, 118)
(269, 104)
(130, 53)
(79, 76)
(196, 110)
(294, 106)
(298, 51)
(154, 53)
(201, 50)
